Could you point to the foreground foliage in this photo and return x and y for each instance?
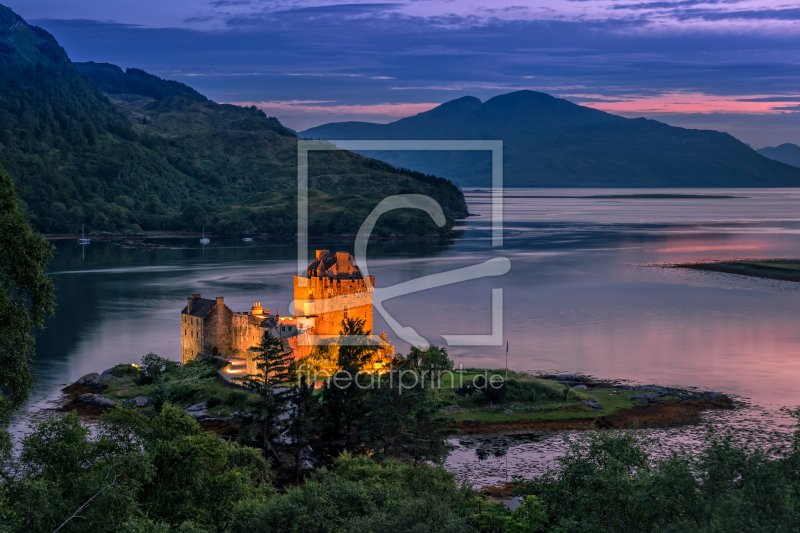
(359, 495)
(26, 297)
(166, 474)
(135, 471)
(607, 482)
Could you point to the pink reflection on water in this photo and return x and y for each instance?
(697, 248)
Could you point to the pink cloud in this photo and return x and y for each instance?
(682, 103)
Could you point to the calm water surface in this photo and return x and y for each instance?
(582, 295)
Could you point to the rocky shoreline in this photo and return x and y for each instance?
(649, 393)
(85, 398)
(654, 406)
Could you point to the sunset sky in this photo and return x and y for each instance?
(732, 65)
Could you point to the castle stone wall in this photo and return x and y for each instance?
(191, 337)
(245, 333)
(217, 334)
(332, 300)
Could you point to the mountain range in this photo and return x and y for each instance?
(785, 153)
(119, 151)
(551, 142)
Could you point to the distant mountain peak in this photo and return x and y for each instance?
(552, 142)
(459, 106)
(785, 153)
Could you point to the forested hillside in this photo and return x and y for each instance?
(114, 80)
(174, 160)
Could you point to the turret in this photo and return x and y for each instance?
(257, 310)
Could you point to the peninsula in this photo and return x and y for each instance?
(782, 269)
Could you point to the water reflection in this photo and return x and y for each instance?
(486, 446)
(577, 298)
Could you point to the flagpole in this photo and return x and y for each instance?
(506, 359)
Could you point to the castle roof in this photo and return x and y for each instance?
(339, 266)
(200, 307)
(269, 322)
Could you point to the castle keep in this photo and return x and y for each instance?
(331, 289)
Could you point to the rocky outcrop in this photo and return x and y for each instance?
(89, 383)
(140, 402)
(95, 400)
(651, 393)
(592, 404)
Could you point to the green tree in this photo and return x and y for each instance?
(359, 494)
(26, 297)
(608, 482)
(272, 380)
(343, 399)
(435, 358)
(404, 424)
(302, 423)
(153, 367)
(135, 474)
(356, 350)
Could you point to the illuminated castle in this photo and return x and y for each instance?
(331, 289)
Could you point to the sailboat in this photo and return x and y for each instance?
(204, 240)
(83, 239)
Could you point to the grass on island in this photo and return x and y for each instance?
(782, 269)
(192, 383)
(610, 399)
(528, 397)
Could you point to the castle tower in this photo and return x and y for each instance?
(331, 289)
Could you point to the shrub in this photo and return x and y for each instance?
(213, 401)
(362, 495)
(151, 368)
(236, 397)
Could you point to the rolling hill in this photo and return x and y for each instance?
(785, 153)
(551, 142)
(152, 154)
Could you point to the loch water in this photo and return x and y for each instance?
(586, 293)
